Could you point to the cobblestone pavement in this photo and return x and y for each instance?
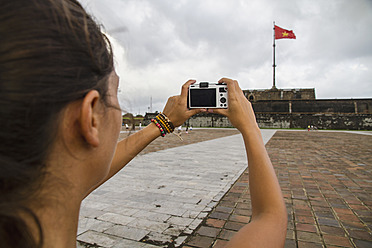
(160, 198)
(326, 178)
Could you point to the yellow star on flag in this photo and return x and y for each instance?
(285, 34)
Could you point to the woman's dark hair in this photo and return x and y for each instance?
(51, 53)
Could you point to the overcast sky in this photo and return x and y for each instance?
(160, 44)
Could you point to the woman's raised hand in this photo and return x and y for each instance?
(239, 111)
(176, 108)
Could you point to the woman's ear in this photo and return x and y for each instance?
(89, 118)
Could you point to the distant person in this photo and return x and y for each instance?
(140, 125)
(60, 121)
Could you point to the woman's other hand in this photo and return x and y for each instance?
(239, 111)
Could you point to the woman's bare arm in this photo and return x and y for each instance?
(269, 217)
(268, 225)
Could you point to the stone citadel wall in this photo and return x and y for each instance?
(334, 106)
(294, 120)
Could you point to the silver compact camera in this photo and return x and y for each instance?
(207, 95)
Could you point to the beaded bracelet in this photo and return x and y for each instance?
(168, 121)
(159, 126)
(163, 124)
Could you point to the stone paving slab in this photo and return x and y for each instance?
(326, 179)
(160, 198)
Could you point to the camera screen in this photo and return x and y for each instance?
(203, 98)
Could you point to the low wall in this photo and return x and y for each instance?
(208, 120)
(275, 120)
(320, 121)
(339, 106)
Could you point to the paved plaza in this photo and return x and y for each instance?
(197, 195)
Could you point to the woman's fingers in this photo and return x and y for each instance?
(185, 88)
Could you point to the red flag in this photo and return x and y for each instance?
(281, 33)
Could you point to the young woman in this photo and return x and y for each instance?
(60, 120)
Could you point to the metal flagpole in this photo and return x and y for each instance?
(274, 65)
